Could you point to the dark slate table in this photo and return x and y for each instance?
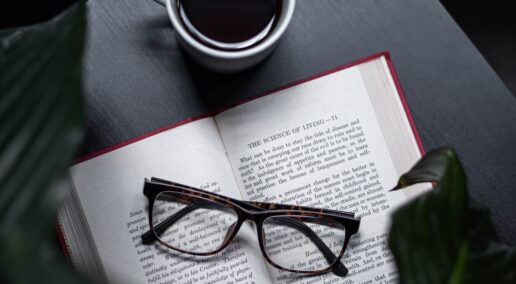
(139, 80)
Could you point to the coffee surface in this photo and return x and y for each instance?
(229, 24)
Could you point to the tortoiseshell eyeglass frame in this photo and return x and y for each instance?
(295, 216)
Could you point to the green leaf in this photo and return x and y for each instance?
(443, 237)
(490, 260)
(40, 126)
(430, 168)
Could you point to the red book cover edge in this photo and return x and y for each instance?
(390, 65)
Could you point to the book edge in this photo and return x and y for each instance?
(62, 241)
(404, 102)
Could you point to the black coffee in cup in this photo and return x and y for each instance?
(229, 24)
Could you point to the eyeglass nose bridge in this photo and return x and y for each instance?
(243, 217)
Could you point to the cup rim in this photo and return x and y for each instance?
(269, 41)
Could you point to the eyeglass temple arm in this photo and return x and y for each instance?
(340, 269)
(149, 237)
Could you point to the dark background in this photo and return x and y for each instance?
(491, 26)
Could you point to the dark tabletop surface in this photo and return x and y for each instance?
(139, 80)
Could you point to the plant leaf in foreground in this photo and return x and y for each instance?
(40, 127)
(443, 237)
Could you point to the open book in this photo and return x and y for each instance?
(336, 140)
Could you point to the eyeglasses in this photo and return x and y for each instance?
(292, 238)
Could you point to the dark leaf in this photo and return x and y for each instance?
(490, 261)
(440, 237)
(426, 234)
(40, 104)
(430, 168)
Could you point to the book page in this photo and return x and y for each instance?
(110, 191)
(321, 144)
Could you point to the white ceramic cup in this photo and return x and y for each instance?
(230, 61)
